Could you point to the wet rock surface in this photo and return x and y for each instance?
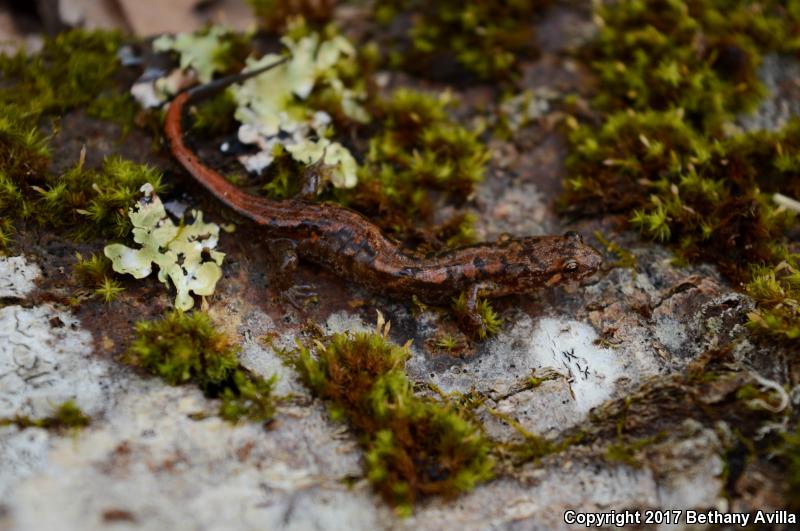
(156, 457)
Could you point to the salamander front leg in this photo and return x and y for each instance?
(285, 260)
(469, 318)
(311, 180)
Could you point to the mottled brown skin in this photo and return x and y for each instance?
(355, 249)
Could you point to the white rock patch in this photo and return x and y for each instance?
(45, 359)
(568, 347)
(17, 276)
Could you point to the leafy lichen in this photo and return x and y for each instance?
(273, 107)
(207, 52)
(184, 254)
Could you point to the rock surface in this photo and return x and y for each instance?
(156, 457)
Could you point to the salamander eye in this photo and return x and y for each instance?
(570, 266)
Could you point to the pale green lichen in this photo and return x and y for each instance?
(342, 166)
(207, 52)
(273, 107)
(179, 251)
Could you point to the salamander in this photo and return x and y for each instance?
(355, 249)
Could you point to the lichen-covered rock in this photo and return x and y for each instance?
(17, 276)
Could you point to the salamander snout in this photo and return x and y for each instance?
(581, 260)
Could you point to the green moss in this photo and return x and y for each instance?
(710, 198)
(283, 182)
(214, 116)
(697, 55)
(790, 452)
(535, 381)
(491, 321)
(776, 290)
(486, 37)
(24, 158)
(625, 258)
(108, 290)
(419, 152)
(662, 154)
(448, 343)
(86, 202)
(121, 109)
(184, 348)
(73, 69)
(95, 202)
(277, 15)
(6, 229)
(92, 270)
(414, 446)
(627, 451)
(66, 416)
(94, 274)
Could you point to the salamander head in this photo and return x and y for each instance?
(551, 260)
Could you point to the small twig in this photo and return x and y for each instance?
(787, 202)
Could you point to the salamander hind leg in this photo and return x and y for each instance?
(283, 254)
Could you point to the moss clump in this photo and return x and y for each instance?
(277, 15)
(627, 452)
(419, 151)
(790, 452)
(66, 416)
(215, 116)
(707, 196)
(88, 202)
(486, 37)
(23, 159)
(672, 74)
(710, 198)
(625, 258)
(776, 290)
(414, 446)
(491, 321)
(73, 69)
(95, 202)
(95, 275)
(185, 348)
(283, 182)
(697, 55)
